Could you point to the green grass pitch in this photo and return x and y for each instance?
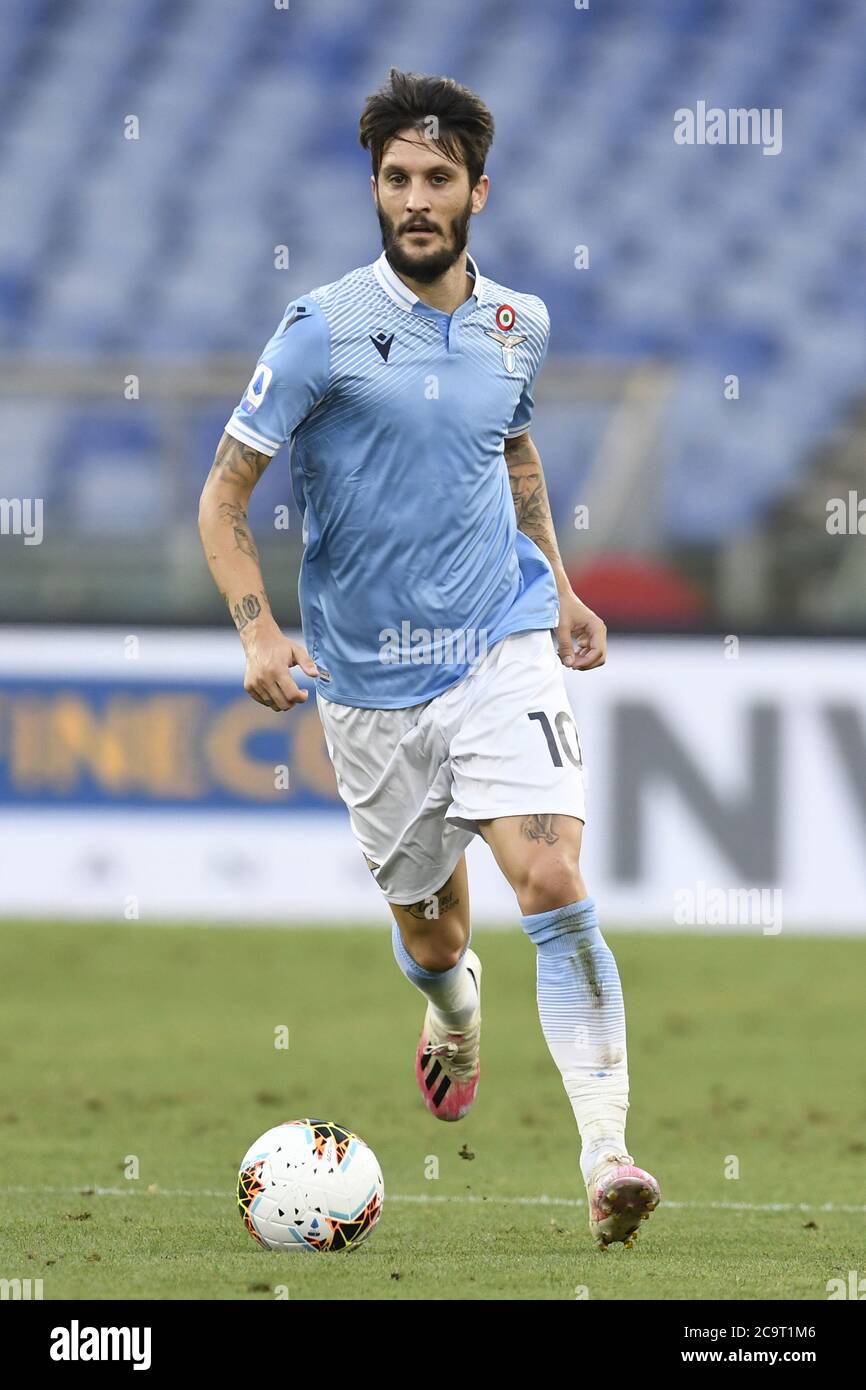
(158, 1043)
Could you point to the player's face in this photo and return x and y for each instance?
(424, 203)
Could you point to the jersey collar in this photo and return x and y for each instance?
(405, 298)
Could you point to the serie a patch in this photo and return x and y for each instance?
(255, 392)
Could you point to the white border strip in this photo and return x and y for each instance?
(245, 435)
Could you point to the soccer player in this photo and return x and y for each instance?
(437, 612)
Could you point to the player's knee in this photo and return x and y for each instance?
(436, 955)
(547, 883)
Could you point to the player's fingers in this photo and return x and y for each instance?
(286, 692)
(275, 697)
(564, 645)
(592, 654)
(279, 689)
(260, 696)
(303, 659)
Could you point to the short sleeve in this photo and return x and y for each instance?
(522, 417)
(290, 379)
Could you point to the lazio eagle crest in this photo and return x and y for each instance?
(508, 342)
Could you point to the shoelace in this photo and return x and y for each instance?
(462, 1068)
(610, 1159)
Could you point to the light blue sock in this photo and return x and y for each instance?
(453, 992)
(582, 1015)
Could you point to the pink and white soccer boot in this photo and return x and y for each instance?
(447, 1065)
(620, 1196)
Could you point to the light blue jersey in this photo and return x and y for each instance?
(397, 412)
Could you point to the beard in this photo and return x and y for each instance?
(425, 268)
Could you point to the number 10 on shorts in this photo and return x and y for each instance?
(562, 720)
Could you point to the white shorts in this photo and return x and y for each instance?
(501, 742)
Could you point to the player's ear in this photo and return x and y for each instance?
(373, 187)
(479, 193)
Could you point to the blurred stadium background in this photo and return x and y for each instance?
(174, 172)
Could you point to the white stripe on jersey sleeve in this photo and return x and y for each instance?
(251, 437)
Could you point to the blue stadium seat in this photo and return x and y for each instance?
(721, 259)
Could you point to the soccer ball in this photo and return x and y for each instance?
(310, 1185)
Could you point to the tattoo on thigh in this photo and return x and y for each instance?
(432, 908)
(540, 828)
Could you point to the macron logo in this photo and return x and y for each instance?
(299, 313)
(382, 343)
(77, 1343)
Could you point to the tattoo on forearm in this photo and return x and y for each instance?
(244, 612)
(529, 491)
(233, 512)
(425, 910)
(238, 463)
(540, 828)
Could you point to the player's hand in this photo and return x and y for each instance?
(576, 621)
(270, 657)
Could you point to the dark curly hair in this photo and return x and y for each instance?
(409, 99)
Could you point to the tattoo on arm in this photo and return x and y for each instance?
(529, 491)
(223, 507)
(234, 512)
(540, 828)
(237, 463)
(244, 612)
